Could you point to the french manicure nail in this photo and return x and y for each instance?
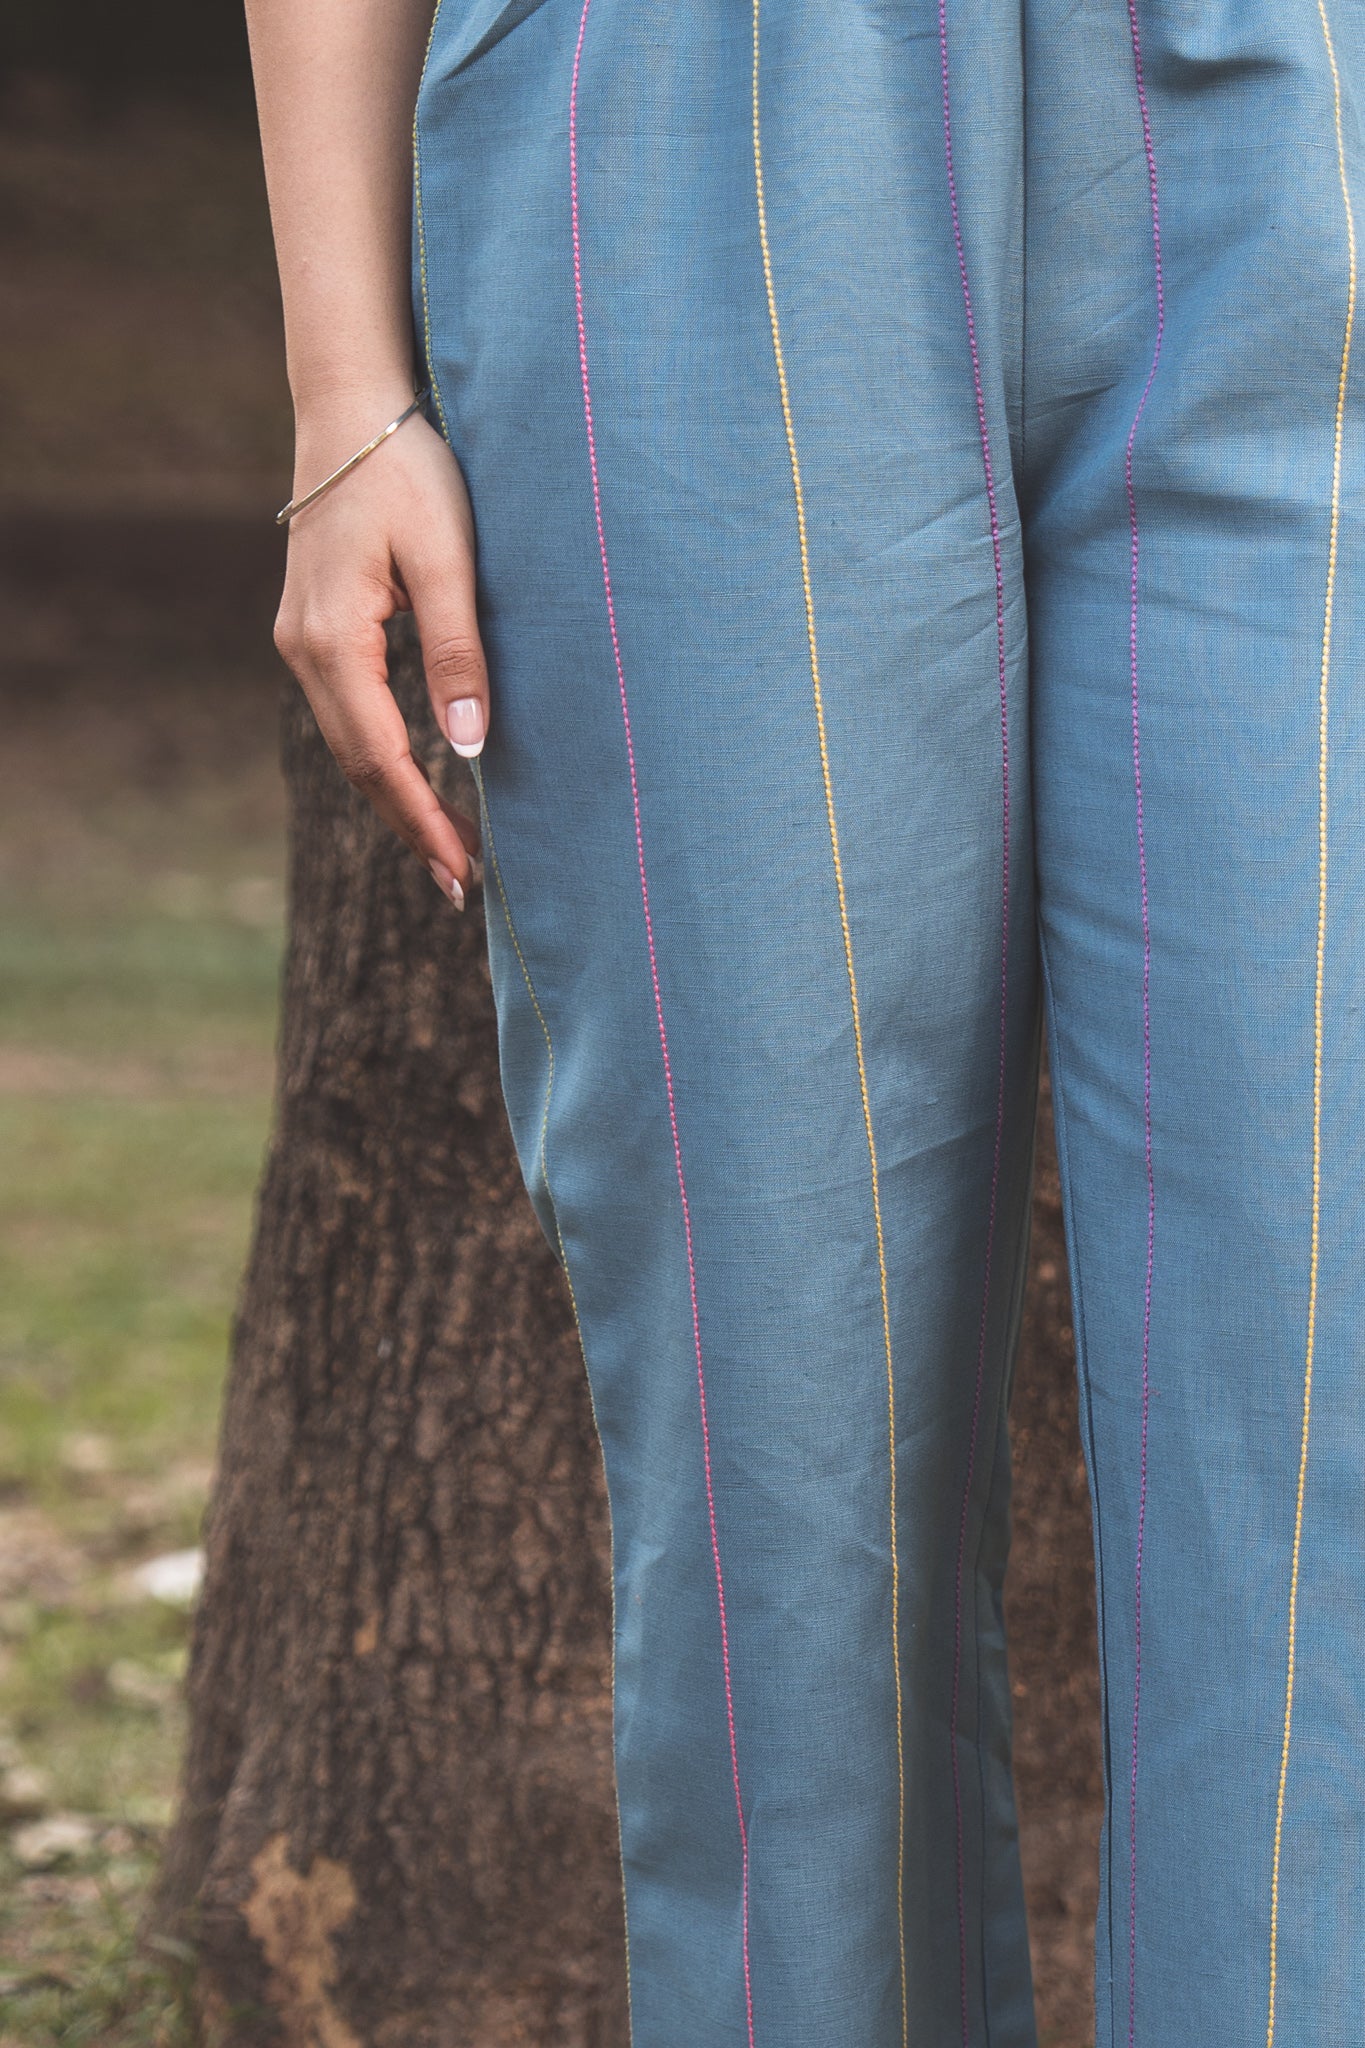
(464, 725)
(446, 882)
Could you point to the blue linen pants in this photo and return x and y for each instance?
(916, 450)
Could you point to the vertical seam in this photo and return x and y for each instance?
(831, 818)
(1150, 155)
(658, 1008)
(1324, 680)
(496, 867)
(421, 224)
(1003, 682)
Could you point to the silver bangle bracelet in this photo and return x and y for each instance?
(286, 512)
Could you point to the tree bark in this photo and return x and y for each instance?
(397, 1823)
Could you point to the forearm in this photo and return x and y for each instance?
(335, 85)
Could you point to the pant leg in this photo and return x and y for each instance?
(768, 1035)
(1192, 510)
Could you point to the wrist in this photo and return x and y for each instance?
(331, 423)
(320, 379)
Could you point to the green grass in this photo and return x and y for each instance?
(147, 987)
(105, 1752)
(122, 1229)
(123, 1993)
(130, 981)
(137, 1017)
(138, 1051)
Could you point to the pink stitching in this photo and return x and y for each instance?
(1004, 994)
(1146, 1006)
(658, 1004)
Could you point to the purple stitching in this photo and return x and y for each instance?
(658, 1002)
(1004, 994)
(1146, 1004)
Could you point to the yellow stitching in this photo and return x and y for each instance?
(421, 226)
(496, 867)
(852, 989)
(1324, 679)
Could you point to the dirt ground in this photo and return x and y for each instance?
(137, 587)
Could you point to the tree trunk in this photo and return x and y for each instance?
(397, 1824)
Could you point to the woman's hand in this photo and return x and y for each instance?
(397, 534)
(336, 81)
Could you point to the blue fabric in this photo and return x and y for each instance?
(815, 710)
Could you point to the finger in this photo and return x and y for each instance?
(441, 591)
(466, 827)
(406, 801)
(344, 674)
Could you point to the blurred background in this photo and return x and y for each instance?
(144, 443)
(143, 446)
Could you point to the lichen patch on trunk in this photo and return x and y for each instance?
(293, 1915)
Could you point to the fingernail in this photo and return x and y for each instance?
(464, 724)
(446, 882)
